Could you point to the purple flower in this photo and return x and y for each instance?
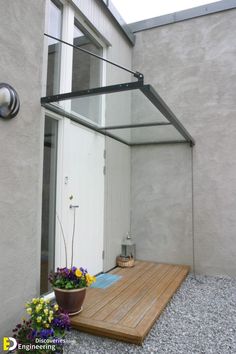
(83, 270)
(46, 333)
(65, 278)
(62, 321)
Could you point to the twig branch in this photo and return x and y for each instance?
(72, 243)
(64, 239)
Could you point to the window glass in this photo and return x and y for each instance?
(54, 48)
(48, 202)
(86, 69)
(86, 74)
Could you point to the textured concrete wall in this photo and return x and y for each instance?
(192, 66)
(161, 203)
(21, 140)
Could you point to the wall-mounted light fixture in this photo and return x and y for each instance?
(9, 101)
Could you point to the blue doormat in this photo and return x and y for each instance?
(103, 281)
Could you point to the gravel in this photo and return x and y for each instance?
(200, 319)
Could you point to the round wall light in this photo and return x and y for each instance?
(9, 101)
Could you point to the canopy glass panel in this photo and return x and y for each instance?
(130, 112)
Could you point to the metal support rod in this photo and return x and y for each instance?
(74, 118)
(158, 102)
(193, 211)
(170, 142)
(141, 125)
(126, 86)
(136, 74)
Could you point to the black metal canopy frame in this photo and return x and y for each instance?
(150, 112)
(116, 131)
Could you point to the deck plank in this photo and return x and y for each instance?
(133, 290)
(124, 303)
(95, 295)
(128, 308)
(129, 277)
(160, 303)
(134, 316)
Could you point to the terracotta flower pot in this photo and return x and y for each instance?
(70, 300)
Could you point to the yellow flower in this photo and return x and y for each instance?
(41, 301)
(29, 310)
(47, 325)
(39, 319)
(90, 279)
(35, 301)
(38, 308)
(46, 311)
(50, 318)
(47, 301)
(78, 273)
(56, 307)
(50, 312)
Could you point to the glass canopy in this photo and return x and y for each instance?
(131, 112)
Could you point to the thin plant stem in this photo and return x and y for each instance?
(64, 239)
(73, 238)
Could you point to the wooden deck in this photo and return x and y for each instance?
(128, 308)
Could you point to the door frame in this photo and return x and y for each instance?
(61, 156)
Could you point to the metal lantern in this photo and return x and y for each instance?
(9, 101)
(128, 247)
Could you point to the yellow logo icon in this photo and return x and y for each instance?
(9, 343)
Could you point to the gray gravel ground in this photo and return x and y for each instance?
(200, 319)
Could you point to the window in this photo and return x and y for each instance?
(54, 48)
(86, 71)
(49, 202)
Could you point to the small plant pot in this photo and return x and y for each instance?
(70, 301)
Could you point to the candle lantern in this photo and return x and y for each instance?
(126, 259)
(128, 247)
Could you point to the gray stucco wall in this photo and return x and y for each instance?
(192, 66)
(21, 139)
(161, 203)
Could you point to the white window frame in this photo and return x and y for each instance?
(69, 15)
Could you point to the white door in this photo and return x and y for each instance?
(82, 185)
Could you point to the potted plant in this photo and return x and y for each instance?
(69, 285)
(44, 330)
